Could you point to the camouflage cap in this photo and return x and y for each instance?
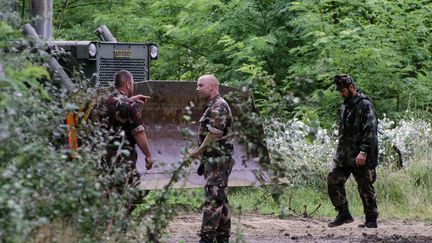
(342, 81)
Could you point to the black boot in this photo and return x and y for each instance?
(343, 217)
(205, 241)
(372, 223)
(222, 240)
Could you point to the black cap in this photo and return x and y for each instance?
(342, 81)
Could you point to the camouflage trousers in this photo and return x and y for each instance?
(129, 178)
(365, 177)
(216, 223)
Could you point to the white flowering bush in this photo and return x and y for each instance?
(410, 136)
(304, 152)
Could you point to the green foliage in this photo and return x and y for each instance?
(40, 184)
(223, 37)
(284, 49)
(382, 44)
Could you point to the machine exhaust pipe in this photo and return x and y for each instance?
(105, 34)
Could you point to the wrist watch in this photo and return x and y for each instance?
(363, 153)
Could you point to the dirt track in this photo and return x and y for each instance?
(259, 228)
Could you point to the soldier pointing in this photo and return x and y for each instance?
(120, 112)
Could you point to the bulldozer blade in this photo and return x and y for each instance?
(164, 119)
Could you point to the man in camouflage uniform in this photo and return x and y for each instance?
(123, 120)
(215, 150)
(356, 154)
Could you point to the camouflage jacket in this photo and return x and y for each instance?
(121, 114)
(217, 120)
(357, 132)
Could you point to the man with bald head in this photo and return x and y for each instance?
(215, 152)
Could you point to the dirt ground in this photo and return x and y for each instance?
(262, 229)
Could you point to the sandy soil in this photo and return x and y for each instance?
(259, 228)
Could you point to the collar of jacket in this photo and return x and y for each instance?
(352, 101)
(213, 100)
(120, 92)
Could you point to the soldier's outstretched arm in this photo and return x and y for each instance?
(141, 99)
(142, 141)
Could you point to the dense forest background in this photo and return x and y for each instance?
(285, 50)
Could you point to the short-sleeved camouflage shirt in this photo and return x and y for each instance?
(122, 114)
(217, 120)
